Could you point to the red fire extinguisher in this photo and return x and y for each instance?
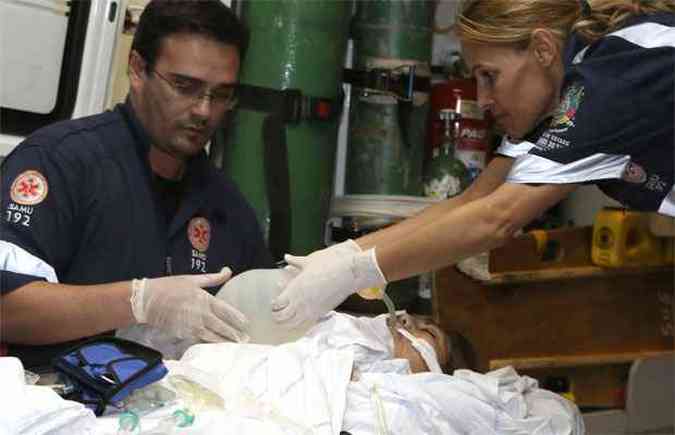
(474, 135)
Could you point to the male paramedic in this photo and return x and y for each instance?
(119, 218)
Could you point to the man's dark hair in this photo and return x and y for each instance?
(209, 18)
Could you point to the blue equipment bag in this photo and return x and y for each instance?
(105, 370)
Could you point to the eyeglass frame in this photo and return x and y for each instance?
(230, 102)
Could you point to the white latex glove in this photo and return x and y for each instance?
(178, 305)
(323, 283)
(347, 247)
(329, 254)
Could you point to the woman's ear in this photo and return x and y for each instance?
(544, 47)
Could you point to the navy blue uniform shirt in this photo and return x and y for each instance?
(79, 207)
(614, 126)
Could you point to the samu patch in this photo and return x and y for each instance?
(199, 233)
(633, 173)
(29, 188)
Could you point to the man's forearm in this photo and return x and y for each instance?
(45, 313)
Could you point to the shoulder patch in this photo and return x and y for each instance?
(29, 188)
(634, 173)
(199, 233)
(563, 118)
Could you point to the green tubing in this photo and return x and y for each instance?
(295, 44)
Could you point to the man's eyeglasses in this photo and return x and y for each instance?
(194, 91)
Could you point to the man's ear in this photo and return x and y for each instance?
(136, 70)
(544, 47)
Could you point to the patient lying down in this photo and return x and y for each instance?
(422, 343)
(347, 374)
(363, 375)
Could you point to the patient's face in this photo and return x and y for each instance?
(424, 330)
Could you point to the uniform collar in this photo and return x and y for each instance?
(575, 43)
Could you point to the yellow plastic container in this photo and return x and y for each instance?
(622, 238)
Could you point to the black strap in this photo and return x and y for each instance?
(401, 82)
(277, 185)
(405, 109)
(292, 105)
(287, 106)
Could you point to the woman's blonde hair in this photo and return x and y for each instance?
(513, 21)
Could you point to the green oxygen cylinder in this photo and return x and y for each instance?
(385, 150)
(386, 135)
(294, 44)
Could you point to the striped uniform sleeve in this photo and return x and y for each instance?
(513, 148)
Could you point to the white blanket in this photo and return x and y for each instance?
(500, 402)
(32, 410)
(306, 388)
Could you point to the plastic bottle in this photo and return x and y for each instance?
(446, 175)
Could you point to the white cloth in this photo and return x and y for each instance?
(425, 350)
(290, 389)
(292, 386)
(36, 410)
(305, 387)
(499, 403)
(17, 260)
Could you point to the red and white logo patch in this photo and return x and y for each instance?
(634, 173)
(29, 188)
(199, 233)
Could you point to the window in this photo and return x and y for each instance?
(41, 45)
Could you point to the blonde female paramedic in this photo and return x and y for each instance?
(582, 89)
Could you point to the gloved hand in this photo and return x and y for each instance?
(347, 247)
(179, 305)
(344, 248)
(323, 283)
(328, 254)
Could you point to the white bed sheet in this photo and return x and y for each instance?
(306, 387)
